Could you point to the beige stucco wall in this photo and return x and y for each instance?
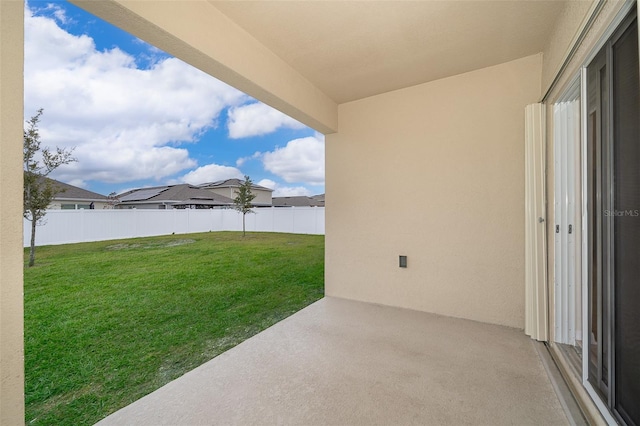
(11, 304)
(564, 37)
(566, 30)
(434, 172)
(225, 192)
(262, 197)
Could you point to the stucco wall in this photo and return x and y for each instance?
(564, 37)
(434, 172)
(225, 192)
(262, 197)
(560, 42)
(11, 119)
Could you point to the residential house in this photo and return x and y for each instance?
(229, 188)
(182, 196)
(299, 201)
(524, 220)
(71, 197)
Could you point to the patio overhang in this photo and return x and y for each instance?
(306, 58)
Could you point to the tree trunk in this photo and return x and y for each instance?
(243, 216)
(32, 251)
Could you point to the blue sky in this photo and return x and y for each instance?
(138, 117)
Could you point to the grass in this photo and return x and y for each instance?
(109, 322)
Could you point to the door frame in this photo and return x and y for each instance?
(596, 396)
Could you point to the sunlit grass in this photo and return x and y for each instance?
(109, 322)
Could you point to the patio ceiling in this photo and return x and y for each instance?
(350, 50)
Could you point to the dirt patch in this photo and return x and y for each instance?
(159, 244)
(122, 246)
(179, 242)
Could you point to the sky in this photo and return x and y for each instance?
(138, 117)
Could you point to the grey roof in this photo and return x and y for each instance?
(231, 183)
(319, 199)
(142, 194)
(183, 194)
(299, 201)
(70, 192)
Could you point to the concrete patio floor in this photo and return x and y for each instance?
(339, 362)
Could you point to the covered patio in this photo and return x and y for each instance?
(422, 105)
(346, 362)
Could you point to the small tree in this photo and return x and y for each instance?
(38, 191)
(242, 202)
(112, 200)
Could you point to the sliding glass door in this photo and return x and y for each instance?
(613, 189)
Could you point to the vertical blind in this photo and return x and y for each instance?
(567, 307)
(536, 294)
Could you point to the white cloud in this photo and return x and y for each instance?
(268, 183)
(284, 191)
(211, 173)
(257, 119)
(126, 123)
(291, 191)
(242, 160)
(77, 182)
(301, 160)
(56, 11)
(60, 14)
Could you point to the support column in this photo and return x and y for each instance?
(11, 252)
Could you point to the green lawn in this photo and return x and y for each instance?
(108, 322)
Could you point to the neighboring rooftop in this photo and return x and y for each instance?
(231, 183)
(299, 201)
(178, 195)
(70, 192)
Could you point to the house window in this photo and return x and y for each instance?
(75, 206)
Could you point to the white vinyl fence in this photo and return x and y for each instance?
(75, 226)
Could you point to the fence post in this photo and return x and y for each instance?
(83, 231)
